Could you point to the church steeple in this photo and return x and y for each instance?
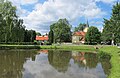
(87, 25)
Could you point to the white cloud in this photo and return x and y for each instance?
(50, 11)
(96, 22)
(41, 68)
(107, 1)
(23, 2)
(18, 3)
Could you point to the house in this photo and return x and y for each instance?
(78, 37)
(42, 39)
(79, 57)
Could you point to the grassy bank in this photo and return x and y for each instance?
(115, 60)
(85, 48)
(19, 47)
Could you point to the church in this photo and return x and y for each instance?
(79, 36)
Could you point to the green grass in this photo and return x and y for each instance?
(19, 47)
(66, 47)
(115, 60)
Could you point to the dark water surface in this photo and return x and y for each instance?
(51, 64)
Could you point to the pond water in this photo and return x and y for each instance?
(51, 64)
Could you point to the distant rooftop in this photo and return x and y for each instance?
(42, 38)
(79, 33)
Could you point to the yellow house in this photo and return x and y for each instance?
(79, 37)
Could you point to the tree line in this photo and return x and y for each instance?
(61, 30)
(13, 30)
(11, 27)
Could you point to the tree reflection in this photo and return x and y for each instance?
(59, 59)
(92, 60)
(88, 60)
(106, 66)
(11, 62)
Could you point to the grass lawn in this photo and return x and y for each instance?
(115, 60)
(19, 47)
(84, 48)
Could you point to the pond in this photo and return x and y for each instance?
(51, 64)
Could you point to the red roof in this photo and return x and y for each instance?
(41, 38)
(80, 33)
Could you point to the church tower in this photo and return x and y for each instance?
(87, 27)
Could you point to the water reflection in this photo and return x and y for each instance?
(88, 60)
(52, 64)
(59, 59)
(11, 62)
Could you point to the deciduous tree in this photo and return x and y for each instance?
(93, 35)
(61, 30)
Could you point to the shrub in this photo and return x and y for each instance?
(104, 55)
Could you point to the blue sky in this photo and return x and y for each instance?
(40, 14)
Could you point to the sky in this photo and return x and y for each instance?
(38, 15)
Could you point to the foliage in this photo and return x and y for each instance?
(104, 55)
(93, 35)
(112, 26)
(67, 47)
(11, 27)
(115, 58)
(106, 35)
(19, 47)
(38, 34)
(29, 36)
(19, 43)
(61, 30)
(80, 27)
(51, 36)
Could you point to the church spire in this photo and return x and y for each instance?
(87, 25)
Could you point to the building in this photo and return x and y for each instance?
(42, 39)
(79, 37)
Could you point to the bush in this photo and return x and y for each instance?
(47, 43)
(104, 55)
(19, 47)
(20, 43)
(86, 43)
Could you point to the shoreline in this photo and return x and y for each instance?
(112, 50)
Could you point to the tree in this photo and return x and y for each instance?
(81, 27)
(93, 35)
(51, 36)
(38, 34)
(9, 15)
(107, 35)
(112, 26)
(29, 35)
(12, 28)
(61, 30)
